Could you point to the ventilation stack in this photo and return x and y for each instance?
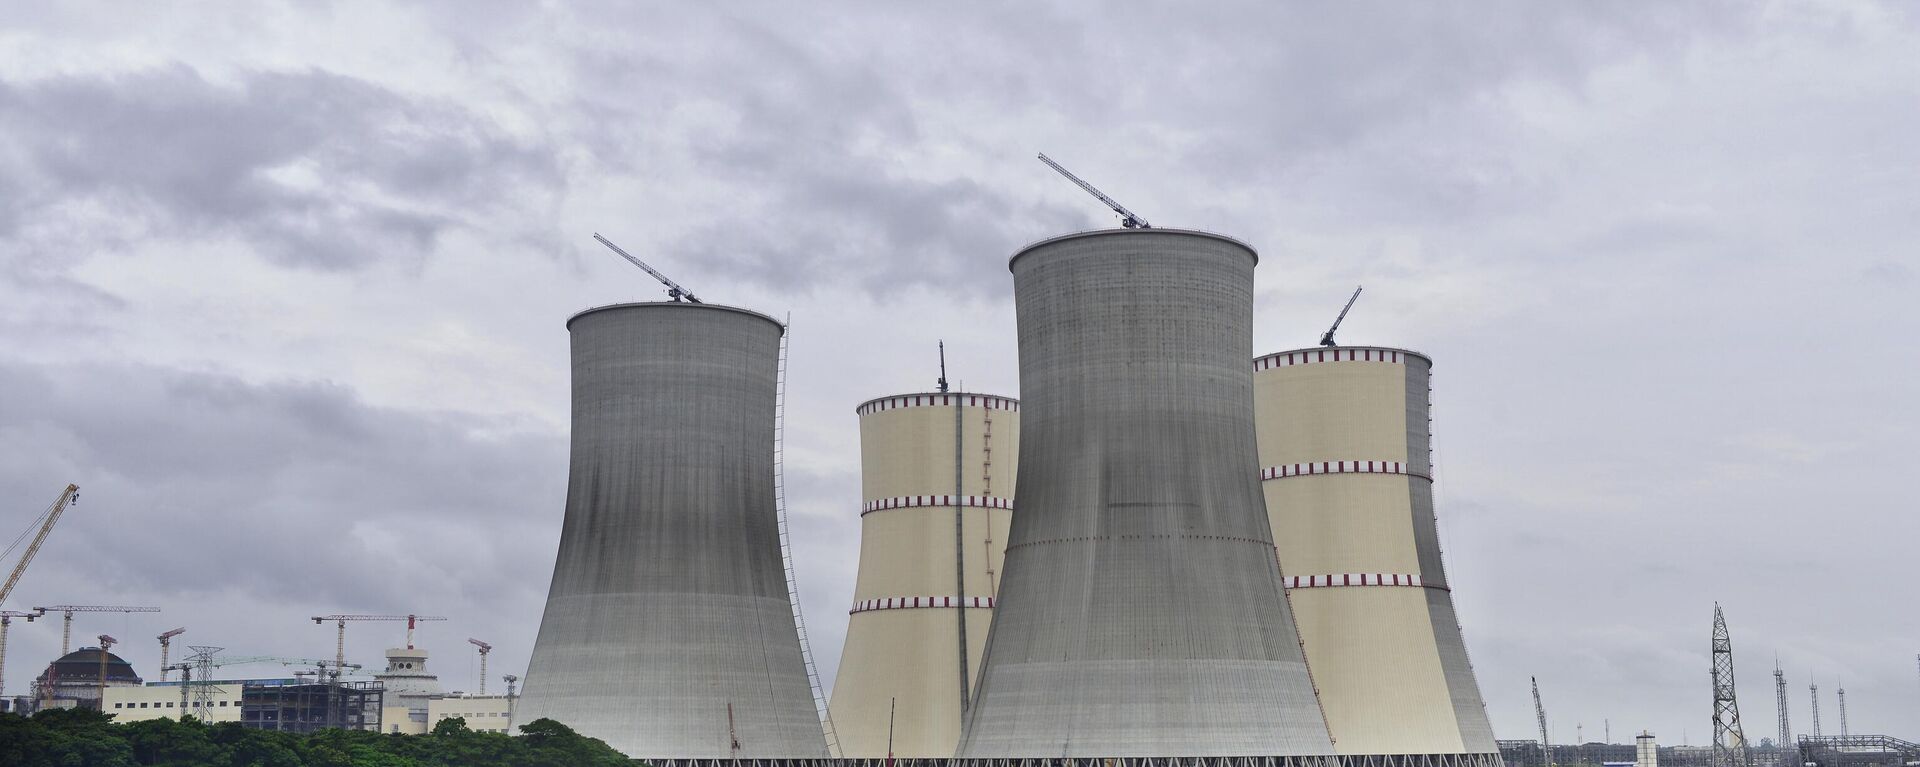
(668, 632)
(1141, 612)
(1344, 453)
(937, 477)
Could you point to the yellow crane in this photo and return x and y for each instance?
(46, 519)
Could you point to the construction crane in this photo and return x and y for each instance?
(674, 290)
(1327, 338)
(67, 611)
(1127, 217)
(340, 642)
(166, 639)
(484, 649)
(6, 620)
(106, 643)
(48, 518)
(1540, 712)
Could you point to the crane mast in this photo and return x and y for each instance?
(674, 290)
(1540, 712)
(67, 497)
(1327, 338)
(1127, 217)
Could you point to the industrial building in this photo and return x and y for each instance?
(668, 630)
(78, 679)
(1345, 457)
(409, 687)
(1141, 611)
(937, 476)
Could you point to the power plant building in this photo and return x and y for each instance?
(1345, 465)
(668, 630)
(1141, 611)
(937, 481)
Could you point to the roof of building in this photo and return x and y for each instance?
(83, 665)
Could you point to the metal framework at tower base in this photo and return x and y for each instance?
(1858, 751)
(1353, 760)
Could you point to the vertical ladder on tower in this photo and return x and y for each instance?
(986, 489)
(786, 542)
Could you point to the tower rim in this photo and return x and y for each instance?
(654, 304)
(1305, 349)
(1037, 244)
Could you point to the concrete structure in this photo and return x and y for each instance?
(74, 680)
(483, 713)
(1141, 612)
(408, 686)
(1646, 753)
(163, 700)
(668, 632)
(937, 476)
(1344, 461)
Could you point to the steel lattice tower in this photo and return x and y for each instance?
(1729, 742)
(1813, 690)
(1843, 713)
(1780, 701)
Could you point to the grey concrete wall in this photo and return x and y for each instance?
(669, 602)
(1141, 612)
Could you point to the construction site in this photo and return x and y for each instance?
(1168, 548)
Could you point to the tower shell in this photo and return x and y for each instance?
(668, 630)
(1141, 613)
(1345, 466)
(901, 665)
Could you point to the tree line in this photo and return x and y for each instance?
(88, 738)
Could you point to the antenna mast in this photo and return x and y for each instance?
(1327, 338)
(673, 288)
(1127, 217)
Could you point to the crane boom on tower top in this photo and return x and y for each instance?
(673, 288)
(1327, 338)
(1127, 217)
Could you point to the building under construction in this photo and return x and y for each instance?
(303, 706)
(1345, 464)
(937, 477)
(1141, 613)
(668, 630)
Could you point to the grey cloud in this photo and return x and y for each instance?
(285, 480)
(313, 169)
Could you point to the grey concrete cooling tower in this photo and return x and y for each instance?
(1141, 612)
(668, 632)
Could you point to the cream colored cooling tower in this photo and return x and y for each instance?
(1344, 445)
(904, 633)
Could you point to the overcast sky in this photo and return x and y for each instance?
(283, 285)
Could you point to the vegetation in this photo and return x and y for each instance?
(85, 738)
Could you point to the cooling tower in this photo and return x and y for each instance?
(1141, 612)
(937, 477)
(1344, 461)
(668, 632)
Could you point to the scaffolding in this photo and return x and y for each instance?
(306, 707)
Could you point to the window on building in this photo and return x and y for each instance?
(143, 705)
(169, 704)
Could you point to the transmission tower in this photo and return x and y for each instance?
(203, 688)
(1780, 700)
(1729, 742)
(1814, 690)
(1843, 712)
(1540, 712)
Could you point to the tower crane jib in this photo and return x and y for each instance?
(674, 290)
(1127, 217)
(52, 515)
